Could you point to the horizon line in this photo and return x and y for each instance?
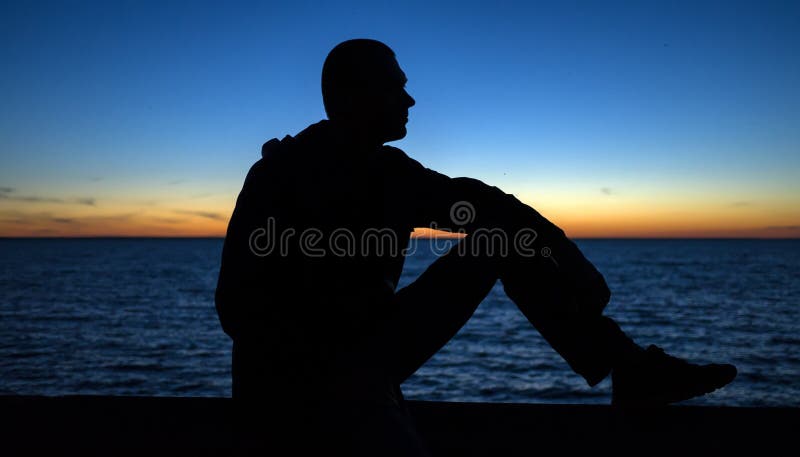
(219, 237)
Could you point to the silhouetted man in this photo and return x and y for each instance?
(307, 287)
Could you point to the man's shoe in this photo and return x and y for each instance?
(655, 378)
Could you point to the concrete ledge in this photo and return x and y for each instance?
(100, 425)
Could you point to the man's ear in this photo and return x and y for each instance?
(347, 104)
(351, 105)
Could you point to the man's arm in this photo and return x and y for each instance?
(471, 206)
(462, 204)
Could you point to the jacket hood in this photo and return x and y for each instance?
(271, 147)
(318, 133)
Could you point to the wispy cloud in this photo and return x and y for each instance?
(205, 214)
(782, 227)
(606, 190)
(44, 231)
(169, 220)
(742, 203)
(44, 217)
(85, 201)
(31, 198)
(23, 218)
(175, 182)
(203, 195)
(7, 193)
(45, 223)
(122, 217)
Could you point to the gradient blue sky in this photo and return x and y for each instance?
(613, 119)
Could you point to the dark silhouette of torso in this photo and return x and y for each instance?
(304, 311)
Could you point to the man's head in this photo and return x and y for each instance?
(364, 87)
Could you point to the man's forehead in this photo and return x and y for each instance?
(398, 72)
(386, 70)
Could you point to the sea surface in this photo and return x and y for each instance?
(136, 317)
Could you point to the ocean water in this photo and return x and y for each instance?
(136, 317)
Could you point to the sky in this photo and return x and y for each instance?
(630, 119)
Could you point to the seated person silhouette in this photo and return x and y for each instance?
(322, 339)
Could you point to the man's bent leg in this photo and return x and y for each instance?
(431, 310)
(592, 345)
(560, 292)
(564, 300)
(566, 308)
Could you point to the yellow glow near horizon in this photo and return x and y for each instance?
(596, 217)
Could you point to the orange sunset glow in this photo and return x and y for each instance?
(578, 218)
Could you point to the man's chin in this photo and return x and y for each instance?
(397, 134)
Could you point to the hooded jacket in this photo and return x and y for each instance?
(313, 250)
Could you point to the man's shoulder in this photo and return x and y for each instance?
(271, 171)
(394, 152)
(397, 157)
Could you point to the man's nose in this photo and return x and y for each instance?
(409, 99)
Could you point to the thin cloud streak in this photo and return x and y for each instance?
(30, 198)
(203, 195)
(169, 220)
(85, 201)
(6, 191)
(204, 214)
(26, 218)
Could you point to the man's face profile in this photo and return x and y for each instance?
(391, 101)
(381, 104)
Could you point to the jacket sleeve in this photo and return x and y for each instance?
(471, 206)
(463, 204)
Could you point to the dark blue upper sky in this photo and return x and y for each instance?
(577, 101)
